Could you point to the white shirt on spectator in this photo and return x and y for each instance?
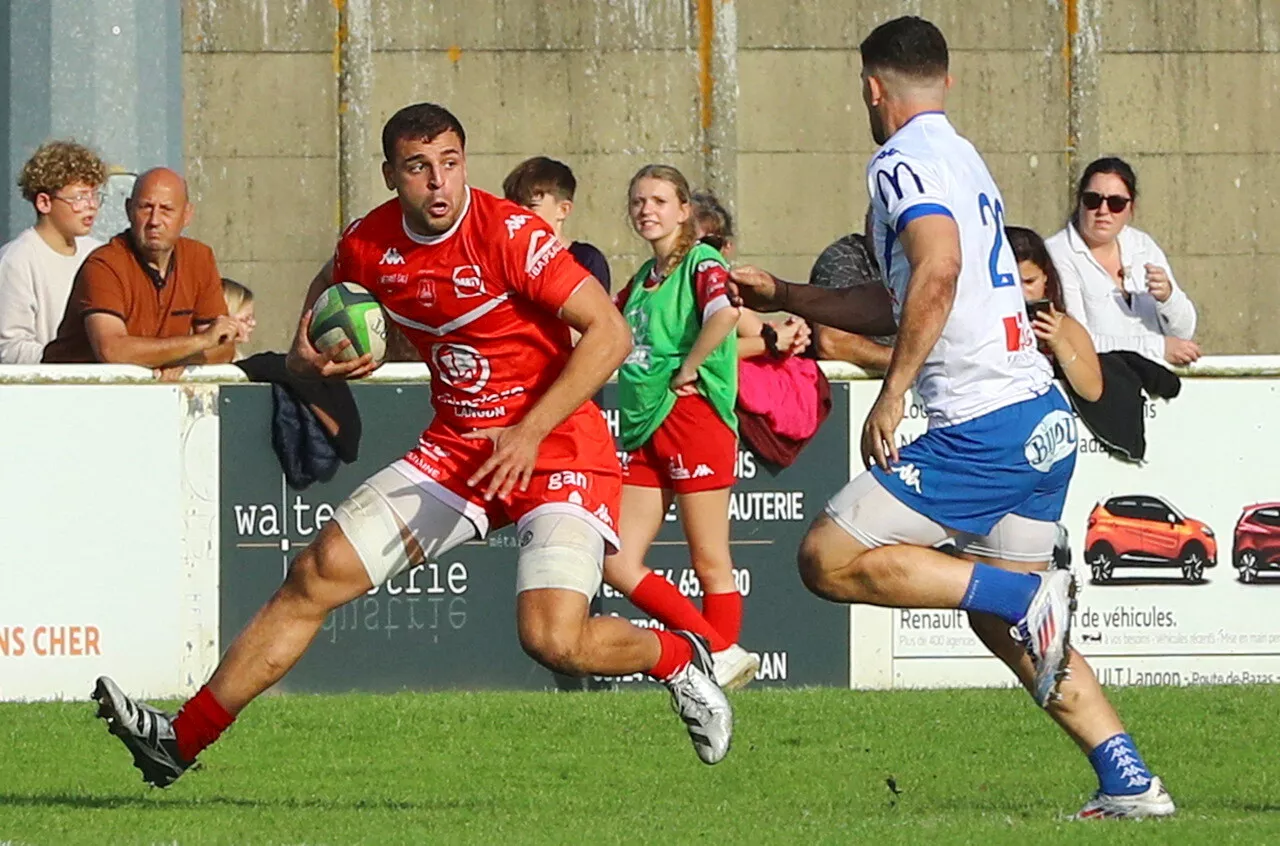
(35, 283)
(1091, 295)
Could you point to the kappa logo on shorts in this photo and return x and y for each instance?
(602, 514)
(702, 471)
(909, 474)
(1053, 439)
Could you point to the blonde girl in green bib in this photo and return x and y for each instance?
(678, 430)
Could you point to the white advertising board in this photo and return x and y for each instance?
(91, 522)
(1139, 536)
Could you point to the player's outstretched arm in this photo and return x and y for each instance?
(604, 345)
(863, 309)
(931, 245)
(304, 359)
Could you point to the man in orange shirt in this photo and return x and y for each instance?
(148, 296)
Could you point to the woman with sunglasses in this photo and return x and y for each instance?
(1115, 278)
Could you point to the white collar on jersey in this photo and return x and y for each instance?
(443, 236)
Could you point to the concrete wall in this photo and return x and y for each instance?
(756, 98)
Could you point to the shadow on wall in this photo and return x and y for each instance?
(112, 219)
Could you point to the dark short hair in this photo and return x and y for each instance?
(1029, 246)
(421, 121)
(536, 177)
(908, 45)
(1113, 165)
(713, 218)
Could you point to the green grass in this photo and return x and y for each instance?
(506, 768)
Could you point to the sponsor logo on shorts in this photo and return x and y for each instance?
(909, 474)
(515, 223)
(434, 450)
(1053, 439)
(567, 479)
(575, 498)
(543, 247)
(461, 367)
(392, 256)
(676, 468)
(467, 281)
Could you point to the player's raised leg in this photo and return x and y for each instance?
(560, 567)
(870, 547)
(368, 542)
(1126, 787)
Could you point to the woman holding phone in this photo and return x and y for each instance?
(1062, 338)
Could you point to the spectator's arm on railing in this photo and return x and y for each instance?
(18, 344)
(112, 343)
(838, 345)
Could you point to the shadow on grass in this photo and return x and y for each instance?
(100, 802)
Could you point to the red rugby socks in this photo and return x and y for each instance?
(663, 601)
(199, 724)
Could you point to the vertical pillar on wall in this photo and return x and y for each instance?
(718, 96)
(107, 73)
(353, 63)
(1082, 47)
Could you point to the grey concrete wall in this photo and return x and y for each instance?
(757, 98)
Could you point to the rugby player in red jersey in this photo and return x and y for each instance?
(487, 294)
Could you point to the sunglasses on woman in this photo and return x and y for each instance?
(1092, 201)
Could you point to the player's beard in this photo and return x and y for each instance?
(878, 132)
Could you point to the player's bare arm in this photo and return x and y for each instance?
(931, 245)
(864, 309)
(717, 327)
(112, 343)
(304, 359)
(604, 345)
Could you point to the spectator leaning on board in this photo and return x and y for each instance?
(149, 296)
(1115, 279)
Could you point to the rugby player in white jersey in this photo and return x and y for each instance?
(990, 476)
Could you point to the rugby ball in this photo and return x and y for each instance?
(348, 311)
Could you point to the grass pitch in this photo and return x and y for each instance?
(807, 766)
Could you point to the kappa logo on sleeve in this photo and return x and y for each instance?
(515, 223)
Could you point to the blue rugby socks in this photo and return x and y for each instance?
(1121, 770)
(1000, 592)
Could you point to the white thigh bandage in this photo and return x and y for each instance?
(1014, 538)
(559, 551)
(376, 514)
(875, 517)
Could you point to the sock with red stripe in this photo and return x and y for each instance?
(677, 652)
(199, 724)
(663, 601)
(1001, 592)
(724, 612)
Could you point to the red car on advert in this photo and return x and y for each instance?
(1256, 544)
(1137, 530)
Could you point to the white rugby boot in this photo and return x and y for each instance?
(1045, 630)
(735, 667)
(701, 703)
(1155, 801)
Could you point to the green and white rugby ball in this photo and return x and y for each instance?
(347, 311)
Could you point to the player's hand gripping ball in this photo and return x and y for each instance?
(347, 311)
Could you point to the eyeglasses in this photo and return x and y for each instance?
(1093, 201)
(80, 202)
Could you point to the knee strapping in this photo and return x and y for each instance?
(561, 552)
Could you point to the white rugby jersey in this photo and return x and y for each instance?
(986, 357)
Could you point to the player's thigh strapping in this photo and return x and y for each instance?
(373, 516)
(995, 484)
